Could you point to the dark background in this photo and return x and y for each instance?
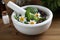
(51, 4)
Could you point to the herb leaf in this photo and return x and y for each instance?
(32, 9)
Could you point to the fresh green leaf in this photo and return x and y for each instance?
(28, 15)
(26, 22)
(32, 9)
(16, 17)
(36, 18)
(42, 19)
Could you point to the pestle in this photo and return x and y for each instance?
(16, 8)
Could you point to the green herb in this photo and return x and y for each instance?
(36, 18)
(27, 14)
(16, 17)
(26, 22)
(32, 9)
(30, 16)
(42, 19)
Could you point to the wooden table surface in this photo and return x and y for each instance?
(8, 32)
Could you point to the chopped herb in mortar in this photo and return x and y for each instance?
(32, 16)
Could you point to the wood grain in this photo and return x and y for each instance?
(8, 32)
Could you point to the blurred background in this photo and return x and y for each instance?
(53, 5)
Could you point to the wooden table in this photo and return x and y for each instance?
(8, 32)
